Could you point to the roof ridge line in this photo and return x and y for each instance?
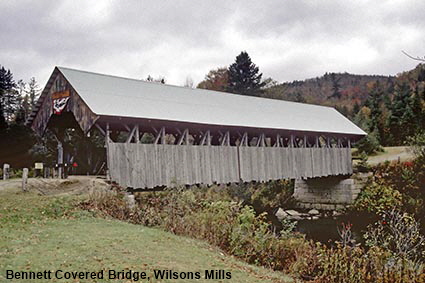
(188, 88)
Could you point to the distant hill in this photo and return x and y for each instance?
(340, 90)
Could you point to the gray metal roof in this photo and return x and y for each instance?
(117, 96)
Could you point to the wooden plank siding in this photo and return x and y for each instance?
(151, 165)
(82, 113)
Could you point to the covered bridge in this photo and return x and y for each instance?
(200, 136)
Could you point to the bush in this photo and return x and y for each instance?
(377, 198)
(417, 144)
(272, 194)
(399, 234)
(233, 227)
(409, 179)
(369, 144)
(363, 165)
(238, 230)
(355, 265)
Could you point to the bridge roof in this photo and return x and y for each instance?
(124, 97)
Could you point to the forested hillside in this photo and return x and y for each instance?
(347, 92)
(390, 108)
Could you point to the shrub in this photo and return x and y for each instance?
(377, 198)
(355, 265)
(417, 144)
(399, 234)
(369, 144)
(409, 179)
(363, 165)
(240, 231)
(272, 194)
(233, 227)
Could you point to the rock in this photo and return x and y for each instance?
(130, 201)
(280, 214)
(336, 213)
(292, 212)
(295, 215)
(313, 212)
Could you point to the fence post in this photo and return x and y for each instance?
(6, 171)
(60, 160)
(130, 201)
(46, 172)
(25, 179)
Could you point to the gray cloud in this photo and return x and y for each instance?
(287, 39)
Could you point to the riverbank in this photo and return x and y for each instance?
(48, 232)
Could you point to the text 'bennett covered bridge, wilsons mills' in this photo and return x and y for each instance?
(200, 136)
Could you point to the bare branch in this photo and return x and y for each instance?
(414, 58)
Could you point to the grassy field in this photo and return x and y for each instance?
(390, 153)
(40, 233)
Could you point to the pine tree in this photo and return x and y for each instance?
(356, 108)
(400, 114)
(244, 76)
(8, 96)
(335, 87)
(418, 113)
(374, 102)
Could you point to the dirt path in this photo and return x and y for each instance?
(394, 153)
(71, 185)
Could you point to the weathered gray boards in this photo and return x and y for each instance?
(150, 165)
(199, 136)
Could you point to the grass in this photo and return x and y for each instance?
(40, 233)
(390, 153)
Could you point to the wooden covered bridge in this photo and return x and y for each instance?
(199, 136)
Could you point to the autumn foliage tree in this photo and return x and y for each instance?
(216, 79)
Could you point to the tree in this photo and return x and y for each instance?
(24, 105)
(33, 92)
(401, 114)
(417, 58)
(374, 102)
(28, 94)
(217, 79)
(270, 82)
(8, 97)
(370, 143)
(188, 82)
(356, 108)
(158, 80)
(418, 112)
(244, 76)
(335, 87)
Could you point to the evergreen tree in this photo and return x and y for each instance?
(336, 93)
(418, 121)
(400, 114)
(244, 76)
(356, 108)
(374, 102)
(8, 97)
(370, 143)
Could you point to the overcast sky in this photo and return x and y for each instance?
(288, 40)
